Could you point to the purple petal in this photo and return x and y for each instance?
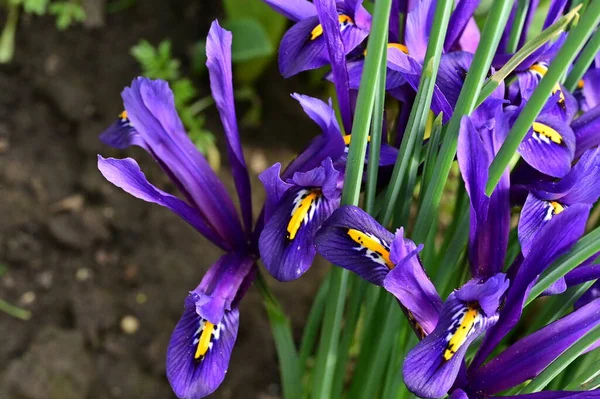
(324, 176)
(555, 11)
(469, 40)
(583, 273)
(411, 71)
(535, 214)
(408, 282)
(458, 21)
(526, 358)
(151, 108)
(286, 243)
(218, 54)
(591, 85)
(220, 286)
(303, 47)
(127, 175)
(549, 146)
(121, 134)
(275, 188)
(418, 27)
(432, 366)
(553, 239)
(586, 129)
(590, 295)
(452, 73)
(352, 239)
(329, 144)
(191, 377)
(295, 10)
(329, 20)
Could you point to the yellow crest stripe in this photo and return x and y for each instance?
(204, 339)
(548, 132)
(318, 30)
(461, 334)
(371, 244)
(300, 213)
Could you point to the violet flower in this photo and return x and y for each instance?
(202, 341)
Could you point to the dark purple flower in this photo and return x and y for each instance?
(304, 46)
(201, 344)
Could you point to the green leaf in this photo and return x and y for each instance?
(67, 13)
(37, 7)
(584, 61)
(184, 92)
(156, 63)
(14, 311)
(250, 40)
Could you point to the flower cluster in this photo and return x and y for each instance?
(554, 186)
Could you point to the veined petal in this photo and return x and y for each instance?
(199, 352)
(586, 129)
(458, 21)
(470, 37)
(221, 285)
(329, 20)
(150, 107)
(418, 27)
(411, 70)
(409, 283)
(432, 366)
(286, 243)
(452, 72)
(218, 54)
(549, 146)
(303, 47)
(127, 175)
(329, 144)
(295, 10)
(553, 239)
(275, 188)
(325, 176)
(121, 134)
(536, 213)
(591, 83)
(529, 356)
(352, 239)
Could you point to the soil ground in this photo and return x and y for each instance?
(85, 258)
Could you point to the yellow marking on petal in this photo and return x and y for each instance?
(318, 30)
(348, 138)
(204, 341)
(461, 334)
(539, 68)
(399, 46)
(580, 84)
(371, 244)
(547, 131)
(557, 206)
(300, 213)
(123, 115)
(558, 89)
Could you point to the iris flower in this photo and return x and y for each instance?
(491, 302)
(304, 46)
(201, 344)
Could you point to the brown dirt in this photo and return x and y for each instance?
(81, 254)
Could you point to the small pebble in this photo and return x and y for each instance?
(83, 274)
(129, 324)
(141, 298)
(28, 298)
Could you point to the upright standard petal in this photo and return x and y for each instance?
(432, 366)
(295, 10)
(418, 27)
(352, 239)
(199, 352)
(329, 20)
(127, 175)
(286, 243)
(150, 107)
(586, 128)
(526, 358)
(275, 188)
(458, 21)
(553, 239)
(218, 61)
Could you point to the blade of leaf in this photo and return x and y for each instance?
(584, 61)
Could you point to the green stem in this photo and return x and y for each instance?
(490, 37)
(327, 354)
(583, 249)
(576, 39)
(517, 28)
(584, 61)
(313, 322)
(284, 342)
(419, 112)
(14, 311)
(7, 40)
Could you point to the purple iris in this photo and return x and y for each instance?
(491, 302)
(304, 46)
(201, 344)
